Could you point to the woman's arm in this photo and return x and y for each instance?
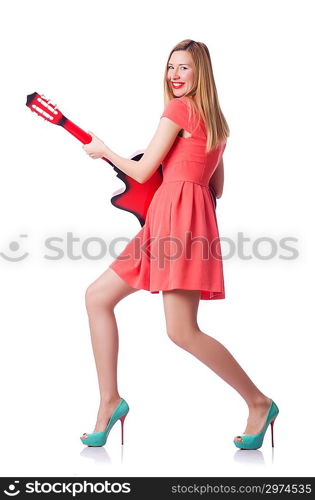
(143, 169)
(217, 179)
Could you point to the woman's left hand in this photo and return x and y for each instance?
(96, 148)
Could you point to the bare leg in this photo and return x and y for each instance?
(181, 308)
(101, 298)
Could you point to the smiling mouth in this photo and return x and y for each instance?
(176, 85)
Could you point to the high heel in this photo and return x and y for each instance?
(122, 419)
(255, 441)
(100, 438)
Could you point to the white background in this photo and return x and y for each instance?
(102, 62)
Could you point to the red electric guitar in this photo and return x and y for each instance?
(135, 197)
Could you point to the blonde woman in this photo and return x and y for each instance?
(183, 259)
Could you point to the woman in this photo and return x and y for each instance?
(190, 141)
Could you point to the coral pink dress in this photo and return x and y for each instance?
(179, 244)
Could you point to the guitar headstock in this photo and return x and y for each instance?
(44, 108)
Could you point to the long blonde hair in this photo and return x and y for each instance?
(203, 97)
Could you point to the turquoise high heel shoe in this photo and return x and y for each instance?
(254, 441)
(100, 438)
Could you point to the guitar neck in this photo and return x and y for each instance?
(78, 133)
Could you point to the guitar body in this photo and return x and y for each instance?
(134, 197)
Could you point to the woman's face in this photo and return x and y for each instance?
(180, 75)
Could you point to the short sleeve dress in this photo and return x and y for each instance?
(178, 247)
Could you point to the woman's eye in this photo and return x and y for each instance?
(181, 67)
